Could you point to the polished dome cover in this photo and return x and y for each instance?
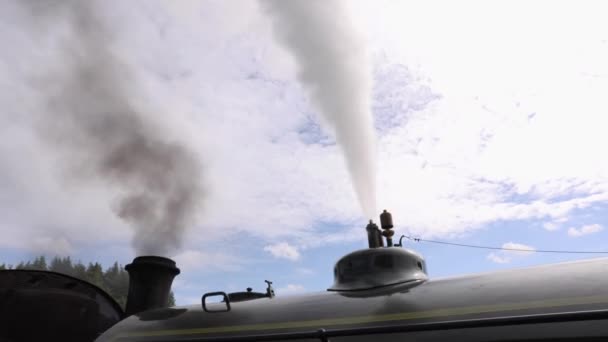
(377, 270)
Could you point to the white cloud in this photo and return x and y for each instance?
(521, 248)
(551, 226)
(499, 259)
(503, 141)
(52, 246)
(555, 224)
(506, 256)
(585, 230)
(475, 140)
(290, 289)
(283, 250)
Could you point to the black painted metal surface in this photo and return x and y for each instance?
(48, 306)
(150, 279)
(549, 289)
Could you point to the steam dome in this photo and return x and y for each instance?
(379, 270)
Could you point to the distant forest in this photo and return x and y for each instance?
(114, 280)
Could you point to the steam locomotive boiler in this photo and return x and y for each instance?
(381, 293)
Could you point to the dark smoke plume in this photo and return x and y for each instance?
(92, 121)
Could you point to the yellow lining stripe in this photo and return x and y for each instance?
(324, 323)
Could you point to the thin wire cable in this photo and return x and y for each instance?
(502, 248)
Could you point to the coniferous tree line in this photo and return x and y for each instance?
(114, 280)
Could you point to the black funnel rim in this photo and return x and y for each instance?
(154, 260)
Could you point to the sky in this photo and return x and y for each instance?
(489, 118)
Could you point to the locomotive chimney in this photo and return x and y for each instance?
(150, 279)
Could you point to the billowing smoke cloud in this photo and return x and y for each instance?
(102, 135)
(334, 69)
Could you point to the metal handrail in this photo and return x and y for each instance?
(211, 294)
